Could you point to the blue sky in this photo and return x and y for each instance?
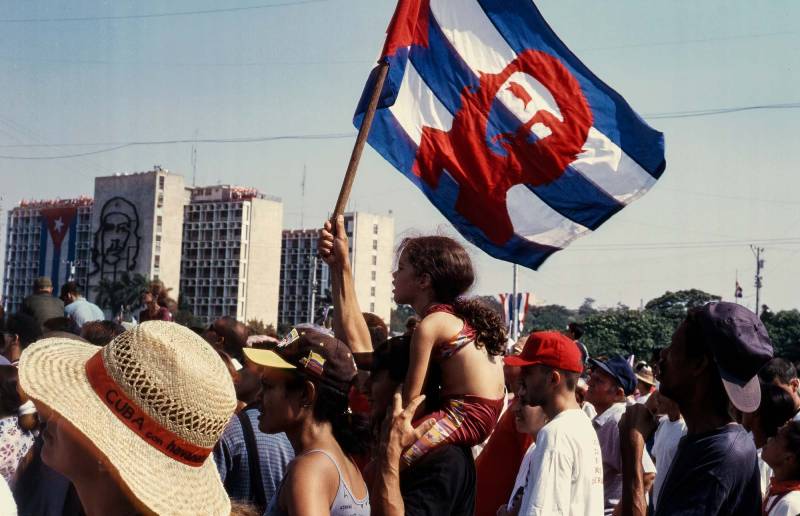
(299, 69)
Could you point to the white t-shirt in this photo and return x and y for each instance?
(665, 444)
(789, 505)
(8, 507)
(565, 477)
(522, 475)
(765, 473)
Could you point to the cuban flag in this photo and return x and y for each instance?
(501, 126)
(514, 305)
(58, 240)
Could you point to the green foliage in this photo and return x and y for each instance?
(548, 317)
(674, 305)
(398, 318)
(622, 331)
(784, 331)
(122, 294)
(257, 327)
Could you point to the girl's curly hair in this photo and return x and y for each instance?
(449, 267)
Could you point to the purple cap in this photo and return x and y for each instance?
(741, 346)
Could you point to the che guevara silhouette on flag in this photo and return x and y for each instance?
(504, 130)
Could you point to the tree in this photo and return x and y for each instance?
(257, 327)
(587, 307)
(621, 331)
(784, 331)
(121, 294)
(674, 305)
(398, 318)
(547, 317)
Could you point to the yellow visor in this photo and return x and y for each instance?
(266, 358)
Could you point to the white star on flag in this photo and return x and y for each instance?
(58, 223)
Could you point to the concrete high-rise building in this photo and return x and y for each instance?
(231, 254)
(137, 226)
(305, 279)
(46, 238)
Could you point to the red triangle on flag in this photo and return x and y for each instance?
(58, 221)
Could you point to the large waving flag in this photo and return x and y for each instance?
(509, 135)
(514, 307)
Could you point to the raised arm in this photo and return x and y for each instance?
(348, 322)
(422, 343)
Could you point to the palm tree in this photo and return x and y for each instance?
(121, 294)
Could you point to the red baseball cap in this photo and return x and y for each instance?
(549, 348)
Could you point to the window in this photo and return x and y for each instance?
(161, 182)
(372, 307)
(374, 229)
(373, 274)
(375, 244)
(372, 291)
(374, 260)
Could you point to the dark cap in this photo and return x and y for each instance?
(740, 345)
(549, 348)
(314, 354)
(620, 370)
(42, 282)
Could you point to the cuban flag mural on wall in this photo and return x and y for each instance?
(57, 244)
(504, 130)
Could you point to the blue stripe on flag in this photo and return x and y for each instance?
(446, 74)
(523, 27)
(56, 269)
(73, 231)
(43, 248)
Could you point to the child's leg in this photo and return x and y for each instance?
(463, 421)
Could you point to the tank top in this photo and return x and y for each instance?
(344, 504)
(455, 344)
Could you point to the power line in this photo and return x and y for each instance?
(161, 15)
(720, 111)
(685, 245)
(255, 139)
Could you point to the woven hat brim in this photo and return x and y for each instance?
(52, 371)
(267, 358)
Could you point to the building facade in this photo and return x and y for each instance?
(231, 254)
(137, 227)
(305, 279)
(46, 238)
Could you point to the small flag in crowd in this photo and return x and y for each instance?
(738, 292)
(511, 306)
(504, 130)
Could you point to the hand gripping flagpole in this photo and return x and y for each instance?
(361, 139)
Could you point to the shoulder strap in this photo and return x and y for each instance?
(256, 482)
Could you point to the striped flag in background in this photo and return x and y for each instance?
(58, 239)
(506, 132)
(507, 301)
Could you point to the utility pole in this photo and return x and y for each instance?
(759, 265)
(513, 306)
(313, 290)
(303, 197)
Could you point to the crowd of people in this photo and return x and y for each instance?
(449, 417)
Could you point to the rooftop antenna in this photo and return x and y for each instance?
(194, 160)
(303, 197)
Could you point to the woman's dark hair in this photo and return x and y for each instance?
(775, 409)
(449, 267)
(9, 397)
(350, 430)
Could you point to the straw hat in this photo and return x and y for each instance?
(153, 402)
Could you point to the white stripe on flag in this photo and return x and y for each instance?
(416, 106)
(538, 222)
(603, 163)
(475, 38)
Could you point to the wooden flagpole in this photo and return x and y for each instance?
(361, 139)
